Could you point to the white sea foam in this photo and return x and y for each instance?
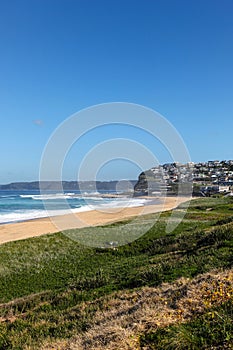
(24, 215)
(21, 215)
(49, 196)
(113, 203)
(90, 194)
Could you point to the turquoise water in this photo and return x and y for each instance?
(25, 205)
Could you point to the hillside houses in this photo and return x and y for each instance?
(207, 177)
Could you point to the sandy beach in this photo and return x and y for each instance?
(37, 227)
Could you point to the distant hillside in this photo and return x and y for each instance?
(216, 175)
(125, 185)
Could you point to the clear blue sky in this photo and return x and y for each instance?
(59, 56)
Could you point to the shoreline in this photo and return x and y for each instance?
(48, 225)
(87, 208)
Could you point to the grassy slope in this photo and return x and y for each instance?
(53, 288)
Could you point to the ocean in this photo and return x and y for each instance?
(16, 206)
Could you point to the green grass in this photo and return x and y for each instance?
(47, 277)
(212, 330)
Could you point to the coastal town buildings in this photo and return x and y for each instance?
(206, 178)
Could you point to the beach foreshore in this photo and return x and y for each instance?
(38, 227)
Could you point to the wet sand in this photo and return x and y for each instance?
(38, 227)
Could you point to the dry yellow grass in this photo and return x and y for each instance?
(123, 316)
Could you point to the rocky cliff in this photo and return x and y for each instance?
(150, 183)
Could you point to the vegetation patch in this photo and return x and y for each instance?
(56, 291)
